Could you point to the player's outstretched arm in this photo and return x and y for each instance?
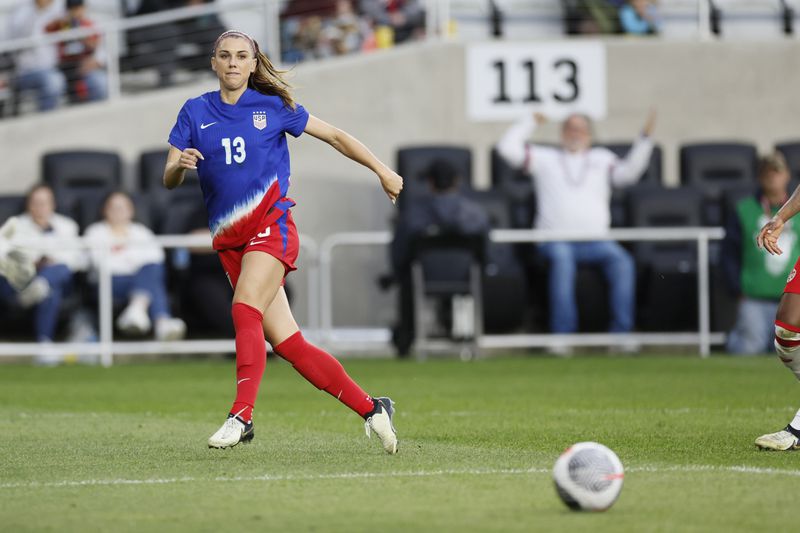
(351, 147)
(767, 238)
(178, 161)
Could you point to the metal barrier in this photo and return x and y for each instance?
(107, 347)
(703, 338)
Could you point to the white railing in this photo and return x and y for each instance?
(703, 338)
(107, 347)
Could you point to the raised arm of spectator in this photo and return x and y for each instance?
(513, 145)
(628, 170)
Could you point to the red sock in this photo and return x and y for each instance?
(324, 372)
(251, 357)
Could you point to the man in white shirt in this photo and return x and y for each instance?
(37, 67)
(573, 186)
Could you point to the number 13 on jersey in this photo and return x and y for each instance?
(234, 150)
(505, 80)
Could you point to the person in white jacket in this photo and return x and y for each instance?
(573, 190)
(47, 235)
(136, 261)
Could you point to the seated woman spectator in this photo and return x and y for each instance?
(640, 17)
(55, 263)
(137, 266)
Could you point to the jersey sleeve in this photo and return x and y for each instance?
(295, 120)
(181, 135)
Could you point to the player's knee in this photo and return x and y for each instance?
(787, 344)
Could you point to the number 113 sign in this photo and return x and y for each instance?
(505, 80)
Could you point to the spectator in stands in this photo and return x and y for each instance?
(589, 17)
(55, 263)
(211, 306)
(445, 208)
(137, 266)
(573, 189)
(80, 60)
(37, 66)
(405, 18)
(320, 28)
(755, 276)
(640, 17)
(156, 46)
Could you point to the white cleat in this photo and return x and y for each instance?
(170, 329)
(134, 320)
(780, 441)
(232, 432)
(380, 423)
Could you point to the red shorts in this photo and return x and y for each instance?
(793, 281)
(278, 240)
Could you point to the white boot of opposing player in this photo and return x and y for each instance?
(787, 344)
(232, 432)
(780, 441)
(379, 422)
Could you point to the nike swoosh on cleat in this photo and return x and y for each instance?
(204, 126)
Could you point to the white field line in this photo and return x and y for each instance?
(378, 475)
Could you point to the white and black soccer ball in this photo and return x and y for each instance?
(588, 477)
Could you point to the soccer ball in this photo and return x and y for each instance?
(588, 477)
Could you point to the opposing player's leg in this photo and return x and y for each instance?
(787, 345)
(256, 286)
(325, 372)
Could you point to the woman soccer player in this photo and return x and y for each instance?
(787, 321)
(235, 138)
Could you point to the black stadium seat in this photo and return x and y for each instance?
(151, 171)
(11, 205)
(667, 270)
(714, 168)
(791, 151)
(413, 161)
(517, 186)
(80, 180)
(652, 176)
(653, 172)
(164, 201)
(76, 169)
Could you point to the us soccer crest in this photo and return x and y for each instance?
(260, 119)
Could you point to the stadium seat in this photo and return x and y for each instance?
(11, 205)
(504, 283)
(412, 162)
(517, 186)
(78, 169)
(667, 286)
(444, 266)
(714, 168)
(791, 151)
(652, 176)
(151, 171)
(170, 207)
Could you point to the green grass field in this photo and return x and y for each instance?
(124, 449)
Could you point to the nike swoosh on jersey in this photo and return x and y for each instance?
(204, 126)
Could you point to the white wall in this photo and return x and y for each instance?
(415, 95)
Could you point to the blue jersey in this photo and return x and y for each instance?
(245, 171)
